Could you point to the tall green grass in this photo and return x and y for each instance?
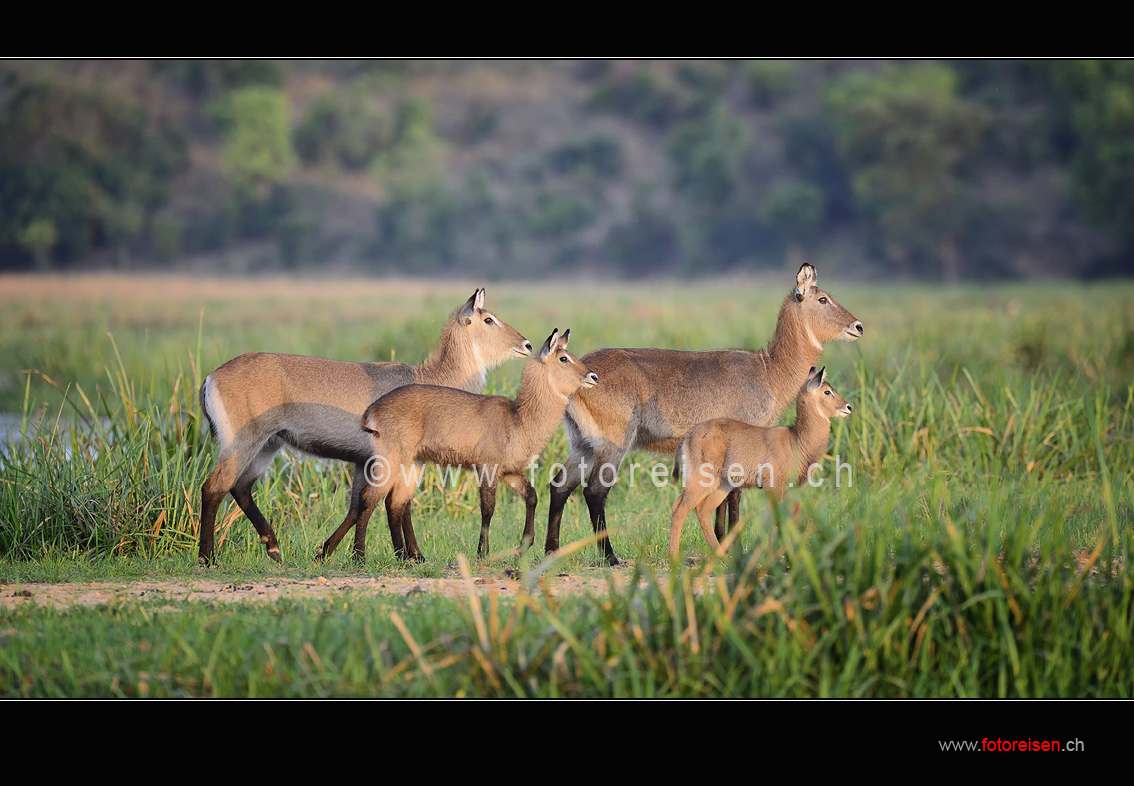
(977, 544)
(114, 466)
(979, 610)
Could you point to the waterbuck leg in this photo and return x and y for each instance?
(680, 511)
(358, 500)
(413, 552)
(523, 487)
(358, 553)
(242, 493)
(487, 508)
(732, 506)
(401, 525)
(595, 493)
(566, 480)
(219, 483)
(395, 524)
(365, 511)
(714, 500)
(720, 529)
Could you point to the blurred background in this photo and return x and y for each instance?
(499, 170)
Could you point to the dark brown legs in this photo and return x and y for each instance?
(595, 494)
(733, 506)
(364, 497)
(561, 487)
(566, 481)
(223, 481)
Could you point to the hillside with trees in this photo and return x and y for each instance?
(937, 170)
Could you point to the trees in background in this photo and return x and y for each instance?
(905, 135)
(942, 170)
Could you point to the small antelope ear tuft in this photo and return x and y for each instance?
(565, 338)
(478, 300)
(804, 280)
(549, 345)
(822, 375)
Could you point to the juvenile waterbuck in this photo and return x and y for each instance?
(721, 455)
(650, 398)
(496, 437)
(259, 402)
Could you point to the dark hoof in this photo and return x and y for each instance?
(275, 555)
(613, 561)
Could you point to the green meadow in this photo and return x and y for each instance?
(971, 537)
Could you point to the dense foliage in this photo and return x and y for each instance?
(942, 170)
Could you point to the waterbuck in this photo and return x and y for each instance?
(721, 455)
(497, 438)
(259, 402)
(650, 398)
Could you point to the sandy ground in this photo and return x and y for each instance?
(270, 590)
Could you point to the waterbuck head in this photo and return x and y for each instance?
(827, 402)
(823, 318)
(491, 339)
(565, 372)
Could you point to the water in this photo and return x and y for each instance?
(10, 433)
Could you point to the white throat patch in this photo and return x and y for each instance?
(814, 341)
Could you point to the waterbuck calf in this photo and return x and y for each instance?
(650, 398)
(259, 402)
(720, 455)
(496, 437)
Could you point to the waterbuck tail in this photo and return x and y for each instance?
(205, 409)
(368, 425)
(680, 457)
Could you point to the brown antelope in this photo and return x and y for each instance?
(650, 398)
(496, 437)
(259, 402)
(720, 455)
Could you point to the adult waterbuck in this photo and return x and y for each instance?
(650, 398)
(497, 438)
(259, 402)
(721, 455)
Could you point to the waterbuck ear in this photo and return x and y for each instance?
(815, 378)
(478, 300)
(804, 280)
(549, 345)
(468, 310)
(565, 338)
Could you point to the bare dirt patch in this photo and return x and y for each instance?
(271, 590)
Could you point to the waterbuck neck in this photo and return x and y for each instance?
(810, 432)
(790, 354)
(539, 407)
(454, 363)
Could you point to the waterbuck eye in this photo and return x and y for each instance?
(826, 392)
(823, 300)
(562, 358)
(488, 321)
